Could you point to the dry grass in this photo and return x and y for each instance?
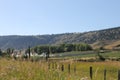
(107, 44)
(111, 46)
(26, 70)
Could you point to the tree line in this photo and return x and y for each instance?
(61, 48)
(51, 49)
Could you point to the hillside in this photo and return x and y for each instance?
(96, 38)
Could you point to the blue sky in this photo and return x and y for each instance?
(34, 17)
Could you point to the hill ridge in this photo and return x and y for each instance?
(23, 41)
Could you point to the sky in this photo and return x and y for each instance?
(38, 17)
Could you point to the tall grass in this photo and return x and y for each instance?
(27, 70)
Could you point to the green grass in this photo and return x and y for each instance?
(112, 54)
(26, 70)
(93, 54)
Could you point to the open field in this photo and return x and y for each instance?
(27, 70)
(88, 54)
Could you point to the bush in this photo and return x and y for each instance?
(101, 58)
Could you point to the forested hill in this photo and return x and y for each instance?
(21, 42)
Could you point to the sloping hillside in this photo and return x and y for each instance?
(102, 37)
(106, 44)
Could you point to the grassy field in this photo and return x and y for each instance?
(27, 70)
(108, 55)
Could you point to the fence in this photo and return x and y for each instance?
(62, 68)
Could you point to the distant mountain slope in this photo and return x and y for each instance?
(92, 37)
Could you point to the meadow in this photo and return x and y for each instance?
(53, 70)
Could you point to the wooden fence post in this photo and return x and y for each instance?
(68, 68)
(62, 67)
(53, 65)
(91, 73)
(75, 69)
(48, 65)
(118, 74)
(105, 74)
